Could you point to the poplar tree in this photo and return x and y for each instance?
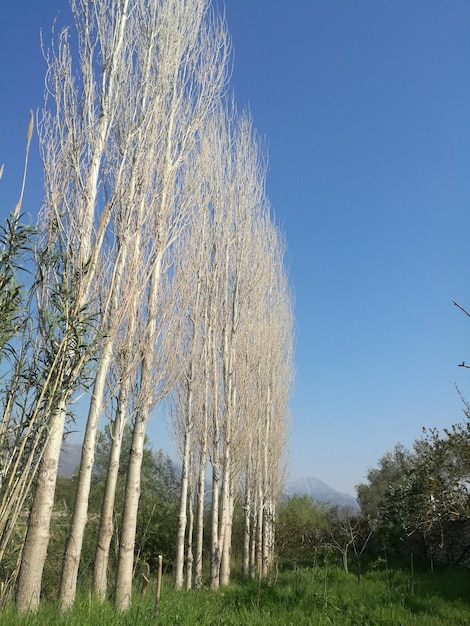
(191, 71)
(80, 110)
(231, 258)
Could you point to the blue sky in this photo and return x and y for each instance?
(365, 107)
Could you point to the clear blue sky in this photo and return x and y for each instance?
(365, 107)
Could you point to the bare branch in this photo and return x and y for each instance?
(461, 308)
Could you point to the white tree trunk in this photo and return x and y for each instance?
(225, 566)
(73, 548)
(179, 565)
(201, 484)
(259, 532)
(247, 505)
(215, 543)
(254, 535)
(37, 536)
(123, 591)
(216, 470)
(106, 527)
(190, 557)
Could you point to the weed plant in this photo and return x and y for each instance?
(310, 596)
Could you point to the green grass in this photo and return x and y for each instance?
(318, 596)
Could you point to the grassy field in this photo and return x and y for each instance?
(325, 595)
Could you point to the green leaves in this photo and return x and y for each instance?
(301, 524)
(16, 241)
(159, 497)
(419, 492)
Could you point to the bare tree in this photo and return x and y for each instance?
(189, 286)
(74, 134)
(146, 172)
(192, 55)
(234, 224)
(272, 382)
(243, 210)
(130, 182)
(122, 380)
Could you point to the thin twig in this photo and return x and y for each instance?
(461, 308)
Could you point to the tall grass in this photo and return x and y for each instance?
(317, 596)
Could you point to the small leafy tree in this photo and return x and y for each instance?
(348, 531)
(300, 530)
(411, 497)
(392, 466)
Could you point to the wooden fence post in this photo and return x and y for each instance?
(159, 585)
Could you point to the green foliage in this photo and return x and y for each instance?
(159, 498)
(308, 533)
(21, 432)
(443, 471)
(156, 522)
(309, 596)
(69, 328)
(392, 466)
(416, 494)
(300, 529)
(16, 240)
(45, 344)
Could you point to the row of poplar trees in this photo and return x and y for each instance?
(159, 275)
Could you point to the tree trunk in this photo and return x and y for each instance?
(190, 559)
(200, 504)
(269, 536)
(227, 545)
(344, 554)
(215, 546)
(106, 527)
(73, 548)
(123, 592)
(259, 531)
(216, 469)
(37, 536)
(247, 528)
(254, 534)
(180, 544)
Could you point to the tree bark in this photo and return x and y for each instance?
(37, 536)
(106, 527)
(190, 556)
(180, 544)
(123, 591)
(201, 483)
(73, 548)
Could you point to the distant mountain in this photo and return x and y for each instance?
(319, 491)
(69, 463)
(69, 460)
